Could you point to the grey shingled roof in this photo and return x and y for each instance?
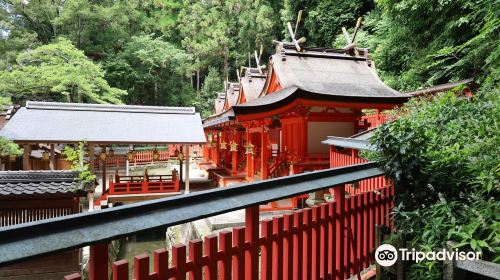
(219, 103)
(329, 73)
(51, 122)
(232, 94)
(252, 85)
(39, 183)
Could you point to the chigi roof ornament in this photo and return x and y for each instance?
(293, 33)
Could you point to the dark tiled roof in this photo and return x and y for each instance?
(39, 183)
(49, 122)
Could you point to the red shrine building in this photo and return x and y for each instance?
(273, 124)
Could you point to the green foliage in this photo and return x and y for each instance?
(57, 71)
(443, 155)
(212, 85)
(77, 158)
(9, 148)
(153, 71)
(420, 43)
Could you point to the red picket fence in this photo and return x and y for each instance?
(334, 240)
(375, 120)
(338, 159)
(146, 156)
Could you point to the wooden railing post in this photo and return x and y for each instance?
(98, 261)
(252, 238)
(234, 162)
(339, 197)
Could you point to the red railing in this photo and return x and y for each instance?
(334, 240)
(338, 159)
(142, 185)
(145, 156)
(278, 161)
(140, 157)
(375, 120)
(314, 157)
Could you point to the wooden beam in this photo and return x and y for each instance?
(26, 157)
(186, 181)
(52, 163)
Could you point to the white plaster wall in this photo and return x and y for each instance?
(319, 131)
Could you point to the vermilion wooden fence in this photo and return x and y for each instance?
(338, 159)
(375, 120)
(334, 240)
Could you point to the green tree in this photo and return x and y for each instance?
(443, 156)
(57, 71)
(212, 85)
(153, 71)
(421, 43)
(9, 148)
(77, 157)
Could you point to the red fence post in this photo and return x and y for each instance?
(195, 256)
(98, 261)
(179, 261)
(277, 258)
(211, 253)
(323, 241)
(239, 258)
(297, 245)
(141, 267)
(266, 250)
(315, 242)
(226, 249)
(307, 244)
(338, 193)
(332, 220)
(161, 263)
(252, 237)
(288, 246)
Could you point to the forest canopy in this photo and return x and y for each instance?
(160, 52)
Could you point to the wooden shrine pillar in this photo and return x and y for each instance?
(234, 152)
(250, 161)
(217, 147)
(234, 162)
(104, 165)
(264, 154)
(26, 157)
(186, 181)
(52, 162)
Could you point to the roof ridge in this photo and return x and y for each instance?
(108, 108)
(37, 176)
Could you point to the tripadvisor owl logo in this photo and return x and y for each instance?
(386, 255)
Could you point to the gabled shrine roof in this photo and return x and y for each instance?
(219, 103)
(51, 122)
(328, 72)
(252, 83)
(232, 95)
(29, 184)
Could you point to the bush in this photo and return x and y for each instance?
(443, 155)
